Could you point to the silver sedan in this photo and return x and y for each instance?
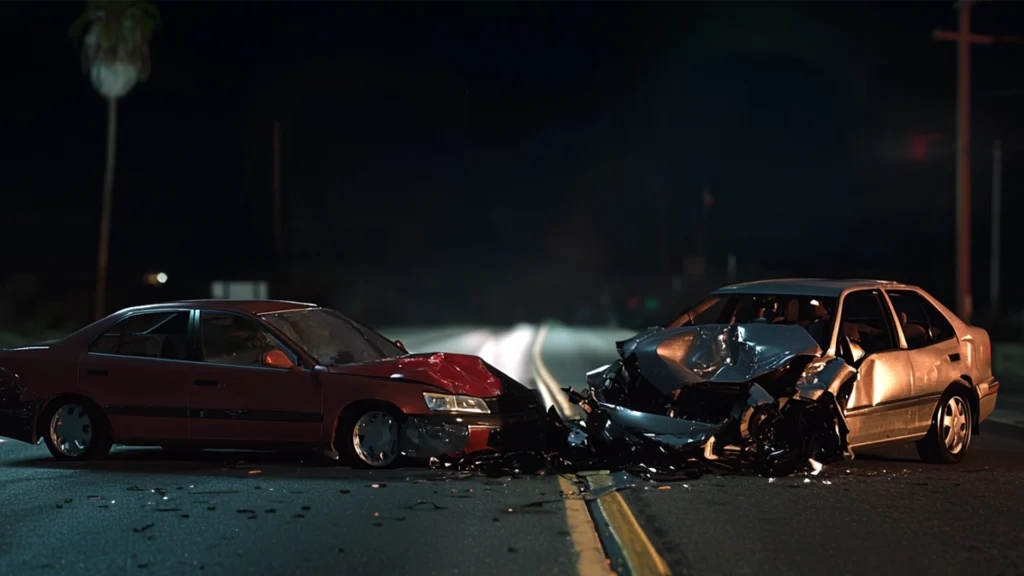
(901, 366)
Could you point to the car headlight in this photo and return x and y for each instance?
(450, 403)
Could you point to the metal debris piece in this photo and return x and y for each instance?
(423, 503)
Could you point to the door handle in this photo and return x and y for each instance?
(207, 383)
(97, 373)
(954, 357)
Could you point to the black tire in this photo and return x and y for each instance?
(97, 429)
(933, 447)
(345, 441)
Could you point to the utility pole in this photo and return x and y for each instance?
(965, 39)
(997, 201)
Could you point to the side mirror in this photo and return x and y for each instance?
(850, 351)
(401, 346)
(278, 359)
(846, 350)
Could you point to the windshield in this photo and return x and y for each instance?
(332, 338)
(814, 313)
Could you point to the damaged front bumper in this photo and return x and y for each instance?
(516, 423)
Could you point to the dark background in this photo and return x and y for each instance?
(494, 162)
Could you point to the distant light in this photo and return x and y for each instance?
(161, 278)
(815, 303)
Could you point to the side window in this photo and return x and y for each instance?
(940, 329)
(865, 321)
(930, 325)
(910, 314)
(107, 342)
(236, 340)
(152, 335)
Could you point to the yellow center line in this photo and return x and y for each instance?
(591, 559)
(640, 554)
(642, 557)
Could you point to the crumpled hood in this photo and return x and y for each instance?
(719, 353)
(455, 373)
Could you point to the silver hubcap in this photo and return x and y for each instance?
(71, 430)
(955, 425)
(375, 438)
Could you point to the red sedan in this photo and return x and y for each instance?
(257, 374)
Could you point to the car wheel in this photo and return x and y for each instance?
(76, 431)
(370, 437)
(950, 435)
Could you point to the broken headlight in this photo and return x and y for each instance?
(450, 403)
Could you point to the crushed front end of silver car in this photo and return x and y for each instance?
(759, 394)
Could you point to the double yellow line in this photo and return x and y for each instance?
(636, 548)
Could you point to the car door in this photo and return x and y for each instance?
(877, 409)
(235, 397)
(139, 372)
(934, 351)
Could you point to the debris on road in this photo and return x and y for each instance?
(420, 504)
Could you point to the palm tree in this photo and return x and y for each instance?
(114, 36)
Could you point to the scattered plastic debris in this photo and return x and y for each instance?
(425, 504)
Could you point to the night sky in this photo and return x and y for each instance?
(561, 137)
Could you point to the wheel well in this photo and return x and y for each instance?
(971, 394)
(41, 424)
(358, 407)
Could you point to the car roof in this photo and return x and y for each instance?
(246, 306)
(807, 286)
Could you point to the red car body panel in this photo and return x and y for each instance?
(455, 373)
(154, 400)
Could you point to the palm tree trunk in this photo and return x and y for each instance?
(99, 306)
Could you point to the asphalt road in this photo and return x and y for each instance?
(144, 512)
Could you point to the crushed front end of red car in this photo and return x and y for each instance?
(477, 408)
(515, 420)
